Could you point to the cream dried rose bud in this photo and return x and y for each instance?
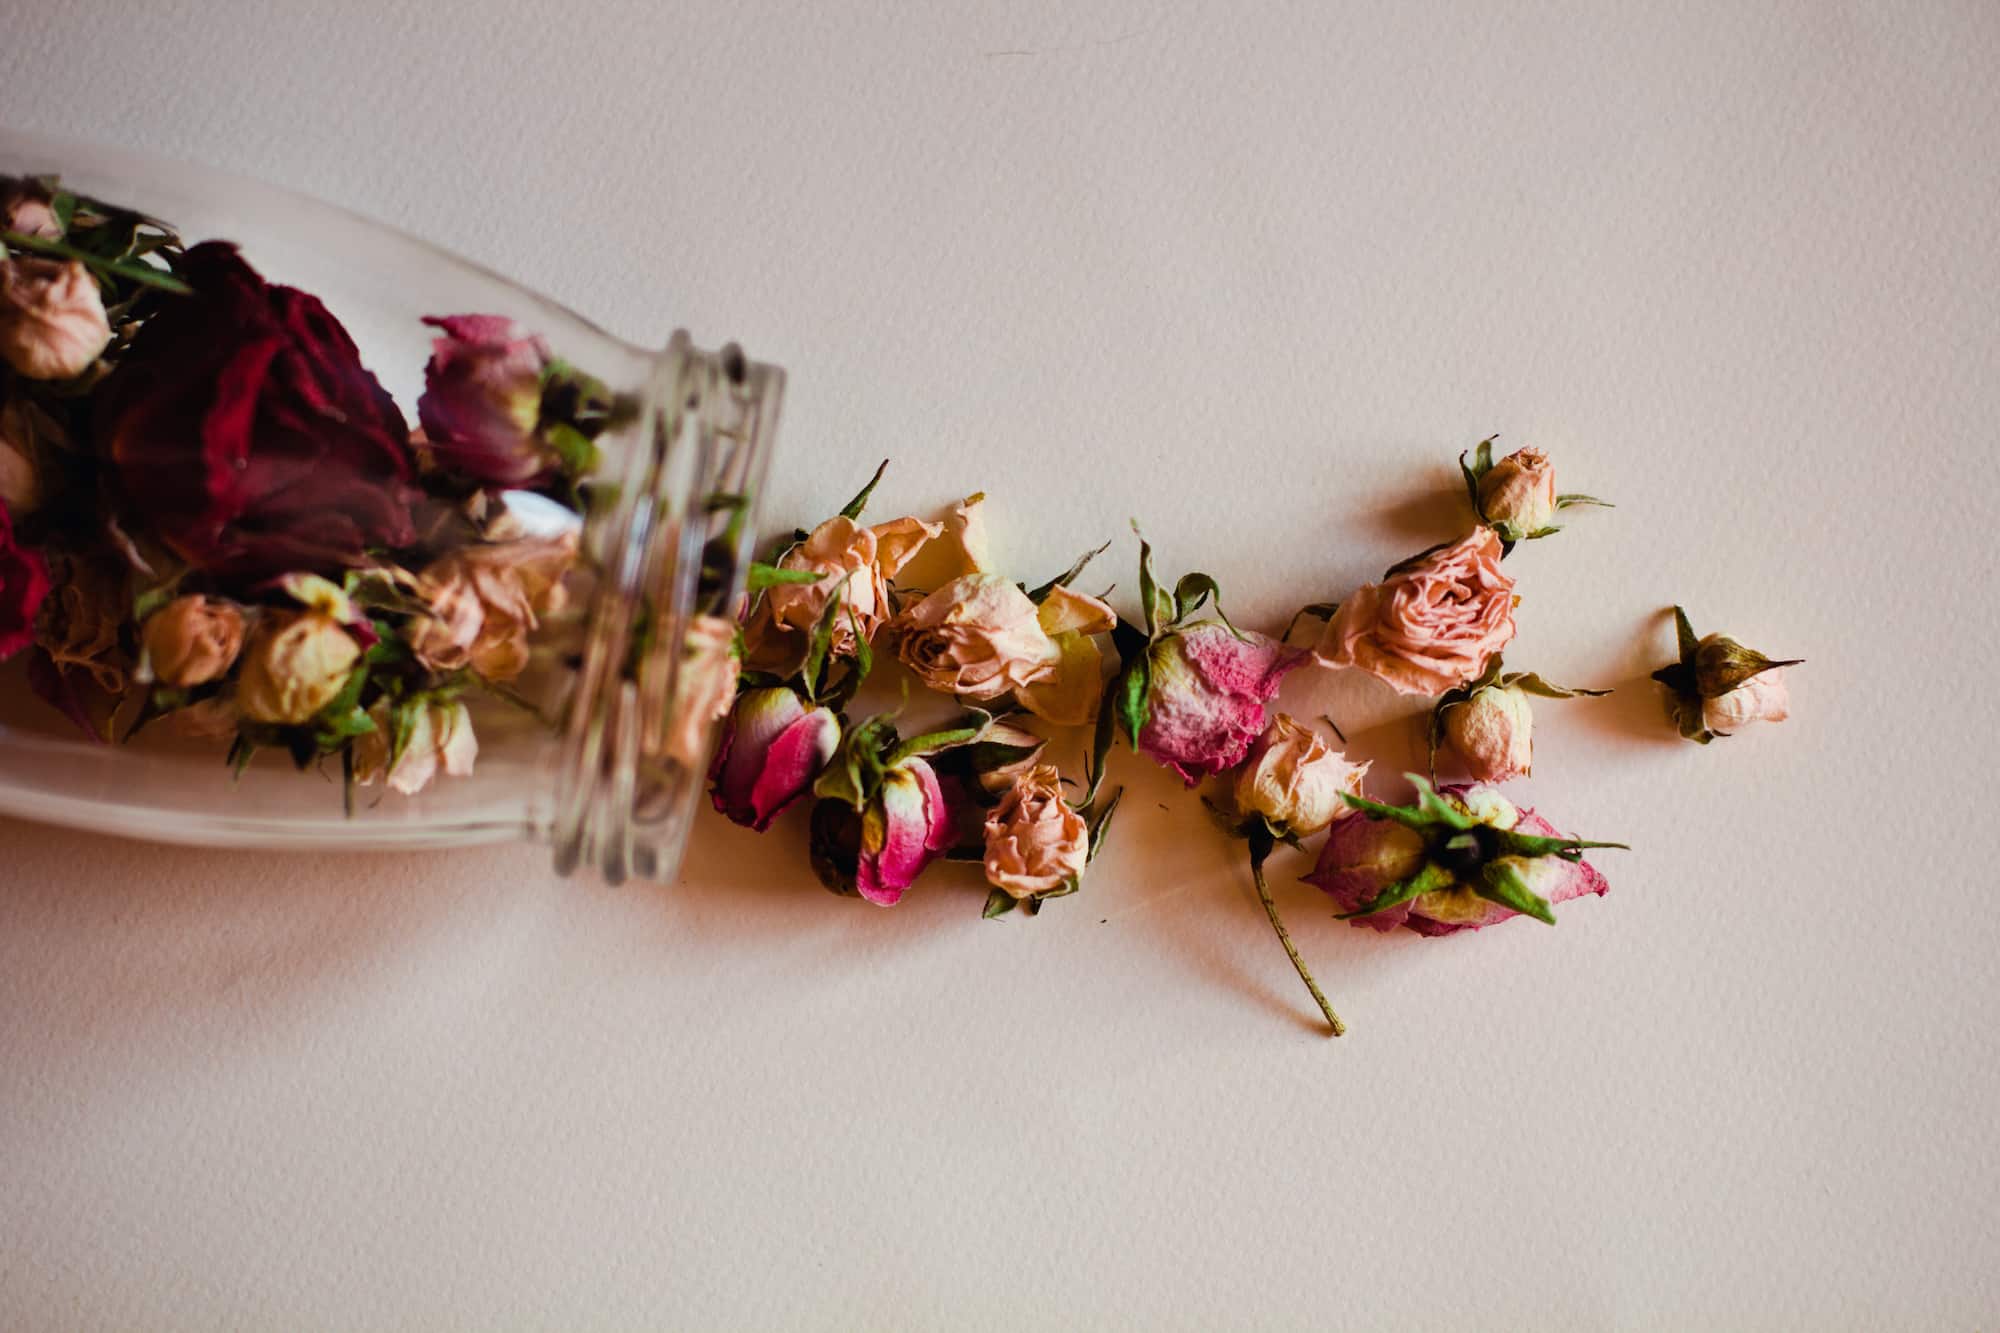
(26, 209)
(1493, 732)
(1036, 842)
(439, 739)
(1518, 496)
(52, 322)
(977, 637)
(192, 640)
(1295, 780)
(1762, 698)
(293, 666)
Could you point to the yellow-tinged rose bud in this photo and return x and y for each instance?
(1295, 780)
(293, 667)
(192, 640)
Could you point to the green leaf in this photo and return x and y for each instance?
(999, 902)
(1068, 577)
(1502, 883)
(1427, 880)
(1534, 684)
(1100, 824)
(822, 637)
(1134, 697)
(852, 509)
(1565, 501)
(764, 576)
(1684, 636)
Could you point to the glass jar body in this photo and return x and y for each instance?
(553, 570)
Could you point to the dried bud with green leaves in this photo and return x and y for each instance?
(1490, 723)
(1718, 686)
(1516, 496)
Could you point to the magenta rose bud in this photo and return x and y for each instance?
(482, 400)
(1450, 874)
(772, 749)
(908, 826)
(244, 430)
(24, 584)
(1207, 695)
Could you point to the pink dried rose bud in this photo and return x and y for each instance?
(1432, 623)
(1718, 686)
(437, 738)
(884, 813)
(52, 321)
(1036, 841)
(909, 826)
(1295, 781)
(192, 640)
(482, 400)
(293, 666)
(1208, 686)
(775, 744)
(1462, 858)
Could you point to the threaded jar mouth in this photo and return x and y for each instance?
(673, 542)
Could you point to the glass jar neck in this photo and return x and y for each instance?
(671, 539)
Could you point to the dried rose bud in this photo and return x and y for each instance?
(52, 321)
(26, 209)
(977, 637)
(774, 746)
(1762, 698)
(1719, 686)
(1493, 732)
(437, 737)
(192, 640)
(293, 666)
(1294, 780)
(1036, 841)
(1518, 497)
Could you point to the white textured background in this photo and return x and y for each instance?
(1255, 274)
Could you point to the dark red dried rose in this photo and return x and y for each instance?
(245, 431)
(24, 582)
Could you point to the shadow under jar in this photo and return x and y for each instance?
(339, 541)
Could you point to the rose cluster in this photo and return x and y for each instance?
(213, 518)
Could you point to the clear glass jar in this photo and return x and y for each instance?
(582, 739)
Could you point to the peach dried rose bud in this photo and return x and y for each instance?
(192, 640)
(52, 321)
(1490, 723)
(1516, 496)
(1434, 622)
(1718, 686)
(1036, 841)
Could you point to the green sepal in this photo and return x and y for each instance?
(1154, 601)
(1510, 843)
(1502, 884)
(1099, 824)
(1103, 735)
(1529, 682)
(1427, 880)
(1685, 639)
(1395, 814)
(572, 448)
(104, 267)
(402, 726)
(1567, 500)
(241, 751)
(1135, 697)
(1411, 562)
(999, 902)
(822, 638)
(764, 576)
(1068, 577)
(937, 742)
(1475, 471)
(346, 701)
(852, 509)
(855, 771)
(1317, 610)
(1439, 810)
